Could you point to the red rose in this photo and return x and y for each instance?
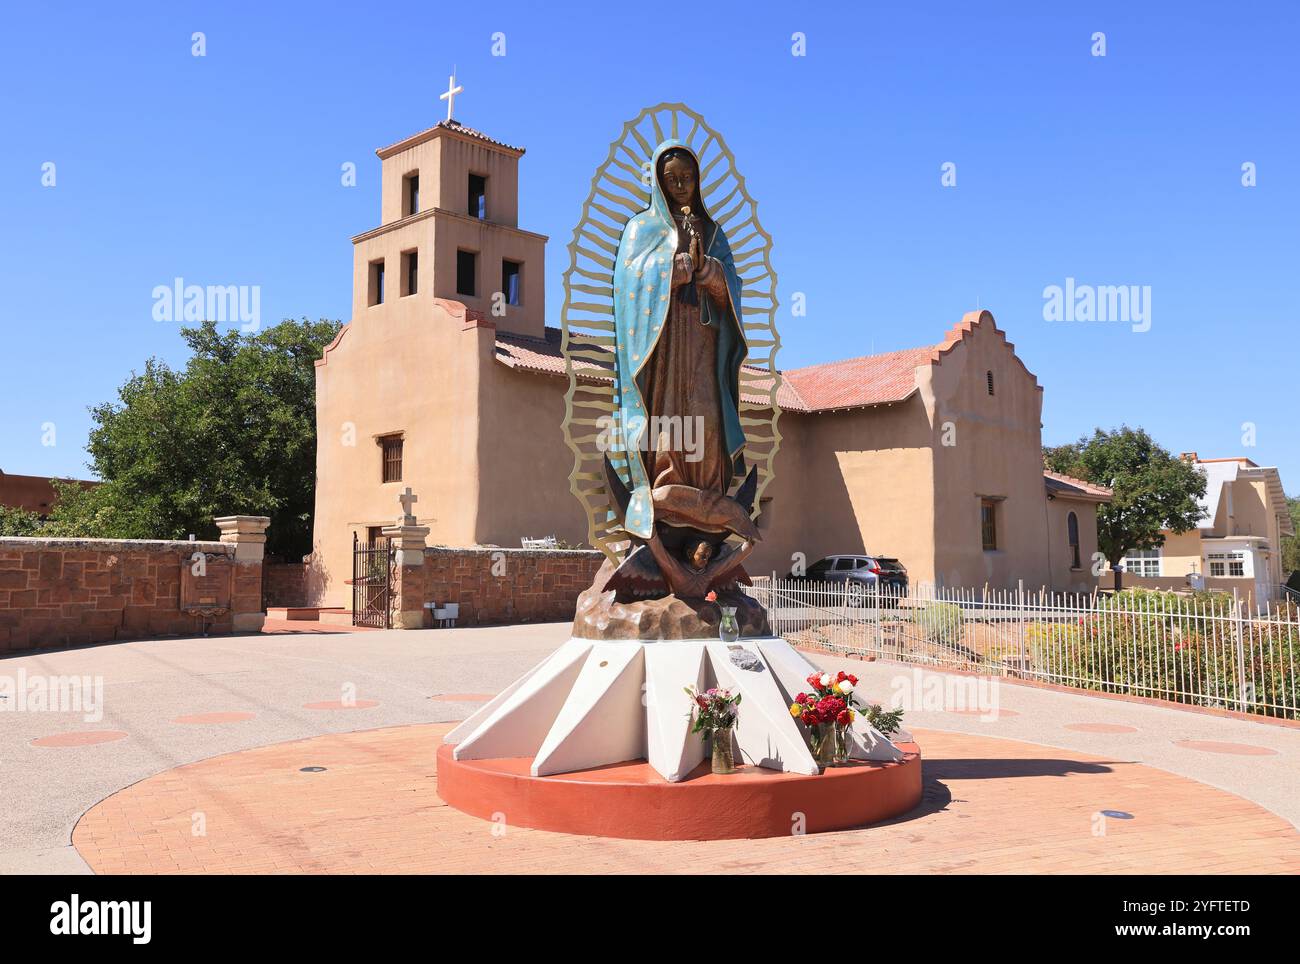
(851, 678)
(801, 698)
(814, 680)
(811, 718)
(841, 676)
(843, 719)
(831, 707)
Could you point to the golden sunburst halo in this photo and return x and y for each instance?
(619, 191)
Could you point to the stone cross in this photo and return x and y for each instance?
(452, 91)
(408, 498)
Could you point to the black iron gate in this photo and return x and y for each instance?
(372, 582)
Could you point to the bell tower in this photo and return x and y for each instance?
(449, 228)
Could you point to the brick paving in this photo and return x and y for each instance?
(991, 806)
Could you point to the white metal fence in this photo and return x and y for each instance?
(1205, 649)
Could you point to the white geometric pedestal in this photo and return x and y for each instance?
(596, 702)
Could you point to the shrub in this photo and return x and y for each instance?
(18, 522)
(939, 623)
(1173, 648)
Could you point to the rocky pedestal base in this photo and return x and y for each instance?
(601, 616)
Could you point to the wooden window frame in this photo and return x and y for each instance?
(390, 466)
(989, 524)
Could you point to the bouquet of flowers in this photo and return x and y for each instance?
(715, 709)
(829, 709)
(715, 716)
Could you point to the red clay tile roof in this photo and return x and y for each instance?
(855, 382)
(1069, 486)
(531, 354)
(451, 125)
(543, 357)
(832, 386)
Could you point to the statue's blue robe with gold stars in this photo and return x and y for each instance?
(642, 298)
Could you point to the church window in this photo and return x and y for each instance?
(390, 447)
(410, 272)
(1142, 562)
(1226, 563)
(510, 280)
(989, 524)
(376, 285)
(411, 194)
(466, 272)
(477, 196)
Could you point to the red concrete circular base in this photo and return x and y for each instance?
(631, 800)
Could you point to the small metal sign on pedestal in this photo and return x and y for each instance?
(206, 584)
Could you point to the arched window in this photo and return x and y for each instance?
(989, 377)
(1072, 530)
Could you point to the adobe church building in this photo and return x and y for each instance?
(448, 380)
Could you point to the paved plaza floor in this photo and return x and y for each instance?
(204, 761)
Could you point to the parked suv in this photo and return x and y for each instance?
(863, 576)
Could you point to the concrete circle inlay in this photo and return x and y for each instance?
(1101, 728)
(340, 705)
(463, 697)
(1214, 746)
(202, 718)
(80, 738)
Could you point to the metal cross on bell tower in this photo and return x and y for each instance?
(452, 91)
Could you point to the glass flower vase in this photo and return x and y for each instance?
(723, 758)
(821, 742)
(728, 628)
(840, 753)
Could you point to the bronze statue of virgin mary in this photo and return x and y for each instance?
(679, 346)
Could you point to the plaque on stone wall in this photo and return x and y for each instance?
(206, 583)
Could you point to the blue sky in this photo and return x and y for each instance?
(1116, 170)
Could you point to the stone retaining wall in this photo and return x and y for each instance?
(69, 592)
(495, 586)
(63, 592)
(284, 584)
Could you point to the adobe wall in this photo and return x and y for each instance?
(414, 371)
(987, 447)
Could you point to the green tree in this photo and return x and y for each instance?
(233, 432)
(1153, 490)
(1291, 544)
(18, 522)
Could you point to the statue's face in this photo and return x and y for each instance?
(701, 554)
(678, 181)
